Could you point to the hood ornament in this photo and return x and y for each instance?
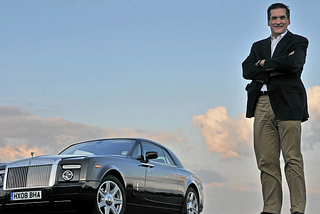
(32, 153)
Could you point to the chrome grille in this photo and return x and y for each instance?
(28, 176)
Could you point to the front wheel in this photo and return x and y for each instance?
(111, 198)
(190, 204)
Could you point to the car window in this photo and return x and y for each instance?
(168, 158)
(148, 147)
(137, 152)
(101, 147)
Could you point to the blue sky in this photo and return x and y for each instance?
(145, 68)
(145, 58)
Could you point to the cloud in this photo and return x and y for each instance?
(8, 153)
(12, 111)
(210, 177)
(22, 132)
(311, 134)
(313, 191)
(314, 100)
(224, 135)
(231, 137)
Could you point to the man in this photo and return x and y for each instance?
(277, 100)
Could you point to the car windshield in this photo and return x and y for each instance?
(101, 147)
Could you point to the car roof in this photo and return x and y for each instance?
(176, 159)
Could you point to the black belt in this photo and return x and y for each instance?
(263, 92)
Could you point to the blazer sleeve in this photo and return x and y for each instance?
(289, 63)
(250, 70)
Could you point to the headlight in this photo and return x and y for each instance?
(71, 166)
(70, 172)
(67, 175)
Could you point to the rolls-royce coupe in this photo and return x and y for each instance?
(105, 176)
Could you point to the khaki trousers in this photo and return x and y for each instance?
(270, 137)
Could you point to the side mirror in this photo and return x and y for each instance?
(151, 155)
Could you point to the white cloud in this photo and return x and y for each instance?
(224, 135)
(232, 137)
(9, 153)
(22, 132)
(311, 134)
(314, 100)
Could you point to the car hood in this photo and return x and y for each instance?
(51, 159)
(43, 160)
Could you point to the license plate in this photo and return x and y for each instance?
(17, 196)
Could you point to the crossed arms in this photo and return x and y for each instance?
(260, 68)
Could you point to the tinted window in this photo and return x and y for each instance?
(168, 158)
(137, 152)
(101, 147)
(148, 147)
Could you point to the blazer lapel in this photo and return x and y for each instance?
(267, 48)
(282, 44)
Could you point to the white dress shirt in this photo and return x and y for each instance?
(274, 43)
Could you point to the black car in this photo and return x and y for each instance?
(107, 176)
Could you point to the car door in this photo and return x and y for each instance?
(161, 178)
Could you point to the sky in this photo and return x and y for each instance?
(169, 71)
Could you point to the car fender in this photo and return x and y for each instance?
(197, 185)
(194, 182)
(109, 169)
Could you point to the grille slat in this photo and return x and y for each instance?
(38, 176)
(28, 176)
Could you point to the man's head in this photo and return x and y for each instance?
(278, 18)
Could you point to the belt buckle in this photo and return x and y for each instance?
(263, 92)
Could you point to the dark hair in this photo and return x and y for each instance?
(276, 6)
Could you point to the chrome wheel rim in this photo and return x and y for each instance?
(192, 203)
(109, 198)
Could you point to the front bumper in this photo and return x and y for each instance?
(60, 197)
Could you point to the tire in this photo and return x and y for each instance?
(110, 198)
(191, 202)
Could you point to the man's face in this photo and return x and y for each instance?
(278, 21)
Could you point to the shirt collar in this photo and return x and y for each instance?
(279, 37)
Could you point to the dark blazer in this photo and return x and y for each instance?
(286, 91)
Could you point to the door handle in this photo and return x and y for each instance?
(147, 165)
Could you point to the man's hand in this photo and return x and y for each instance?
(260, 63)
